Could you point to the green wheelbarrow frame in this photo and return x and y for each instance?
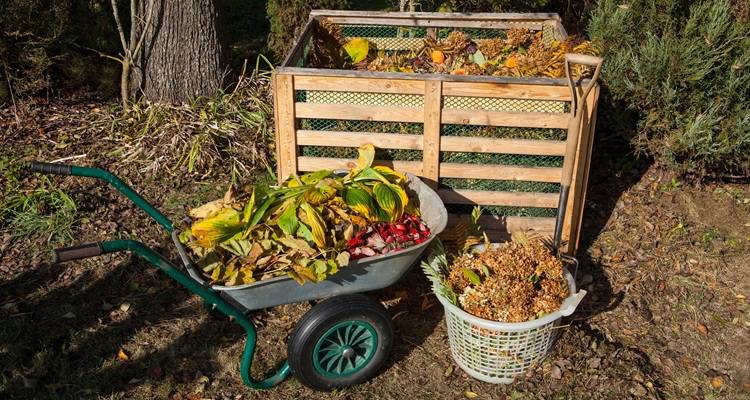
(235, 302)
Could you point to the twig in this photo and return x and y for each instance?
(105, 55)
(120, 29)
(68, 158)
(12, 97)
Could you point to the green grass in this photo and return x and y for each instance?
(44, 212)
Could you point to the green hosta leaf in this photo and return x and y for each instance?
(315, 177)
(390, 174)
(356, 49)
(319, 194)
(369, 174)
(288, 221)
(471, 276)
(360, 201)
(317, 225)
(391, 198)
(213, 230)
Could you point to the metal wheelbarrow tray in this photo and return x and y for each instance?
(361, 275)
(341, 341)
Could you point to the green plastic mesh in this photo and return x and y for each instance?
(499, 186)
(505, 132)
(474, 33)
(351, 153)
(501, 159)
(360, 98)
(499, 104)
(359, 126)
(382, 31)
(506, 211)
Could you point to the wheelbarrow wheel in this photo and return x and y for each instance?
(340, 342)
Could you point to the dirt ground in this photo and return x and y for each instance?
(666, 265)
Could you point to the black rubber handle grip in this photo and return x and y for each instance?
(49, 168)
(76, 252)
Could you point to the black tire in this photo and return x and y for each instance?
(371, 331)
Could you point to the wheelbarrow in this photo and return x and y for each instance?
(341, 341)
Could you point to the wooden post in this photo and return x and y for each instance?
(431, 138)
(286, 140)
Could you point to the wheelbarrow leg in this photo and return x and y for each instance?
(209, 296)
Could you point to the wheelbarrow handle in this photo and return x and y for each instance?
(117, 183)
(50, 168)
(78, 252)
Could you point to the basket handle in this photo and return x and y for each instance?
(570, 304)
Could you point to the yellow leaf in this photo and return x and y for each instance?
(470, 395)
(366, 156)
(357, 49)
(122, 356)
(220, 227)
(317, 224)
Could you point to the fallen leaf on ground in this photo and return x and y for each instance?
(555, 372)
(470, 395)
(702, 329)
(122, 356)
(717, 382)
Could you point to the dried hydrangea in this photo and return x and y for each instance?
(517, 282)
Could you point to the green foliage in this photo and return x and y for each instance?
(288, 16)
(45, 211)
(491, 5)
(684, 68)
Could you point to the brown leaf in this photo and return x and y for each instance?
(426, 303)
(555, 372)
(702, 329)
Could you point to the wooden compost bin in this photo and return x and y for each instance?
(494, 141)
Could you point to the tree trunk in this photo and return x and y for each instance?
(181, 57)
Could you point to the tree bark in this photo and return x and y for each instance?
(181, 57)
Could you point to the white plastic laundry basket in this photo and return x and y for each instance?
(496, 352)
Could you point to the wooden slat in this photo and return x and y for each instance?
(500, 172)
(490, 198)
(505, 118)
(337, 73)
(504, 146)
(509, 224)
(457, 23)
(285, 125)
(431, 146)
(315, 163)
(356, 139)
(368, 85)
(506, 90)
(540, 17)
(359, 112)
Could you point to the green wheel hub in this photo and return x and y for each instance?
(345, 348)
